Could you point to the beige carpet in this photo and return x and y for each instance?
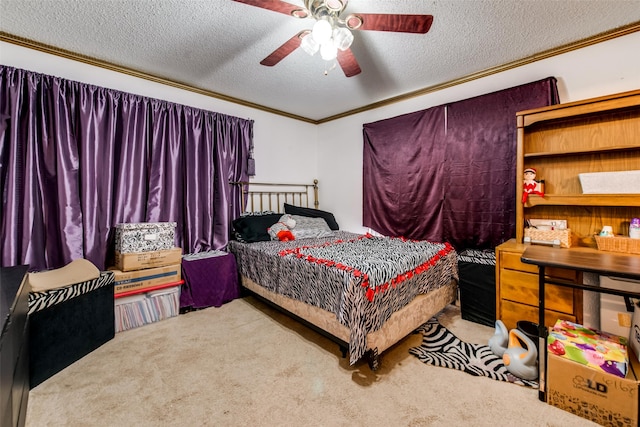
(246, 365)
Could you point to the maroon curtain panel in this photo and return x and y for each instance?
(77, 159)
(448, 173)
(480, 202)
(403, 169)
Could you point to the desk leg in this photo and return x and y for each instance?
(542, 339)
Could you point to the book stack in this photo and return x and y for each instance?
(147, 274)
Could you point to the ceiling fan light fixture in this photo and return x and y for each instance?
(300, 13)
(335, 5)
(309, 44)
(328, 51)
(342, 38)
(321, 31)
(353, 22)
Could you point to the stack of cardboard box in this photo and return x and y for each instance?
(147, 273)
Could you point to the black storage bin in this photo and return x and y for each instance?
(477, 272)
(67, 324)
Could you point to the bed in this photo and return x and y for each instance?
(364, 292)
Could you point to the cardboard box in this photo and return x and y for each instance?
(634, 337)
(614, 317)
(142, 279)
(144, 236)
(595, 395)
(150, 259)
(596, 349)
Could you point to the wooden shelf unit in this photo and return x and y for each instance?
(611, 200)
(561, 142)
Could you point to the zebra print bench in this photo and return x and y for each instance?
(68, 323)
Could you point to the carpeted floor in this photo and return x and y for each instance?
(244, 364)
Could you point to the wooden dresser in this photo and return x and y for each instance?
(562, 141)
(517, 290)
(14, 348)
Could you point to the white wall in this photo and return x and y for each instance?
(288, 150)
(602, 69)
(273, 134)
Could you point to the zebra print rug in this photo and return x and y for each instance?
(442, 348)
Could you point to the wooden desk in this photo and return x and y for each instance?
(580, 259)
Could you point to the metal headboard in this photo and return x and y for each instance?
(263, 196)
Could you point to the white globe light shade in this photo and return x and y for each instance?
(342, 38)
(309, 44)
(328, 51)
(321, 31)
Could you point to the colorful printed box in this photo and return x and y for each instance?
(596, 349)
(144, 236)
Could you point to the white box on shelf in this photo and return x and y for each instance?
(623, 182)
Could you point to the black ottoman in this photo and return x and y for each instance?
(68, 323)
(477, 283)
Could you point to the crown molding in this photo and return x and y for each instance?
(599, 38)
(609, 35)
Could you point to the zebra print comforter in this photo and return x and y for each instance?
(362, 279)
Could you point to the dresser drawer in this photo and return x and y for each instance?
(511, 260)
(511, 312)
(523, 288)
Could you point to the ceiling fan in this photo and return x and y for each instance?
(331, 33)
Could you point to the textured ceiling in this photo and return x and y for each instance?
(216, 45)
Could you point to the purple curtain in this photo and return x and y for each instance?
(448, 173)
(480, 203)
(76, 159)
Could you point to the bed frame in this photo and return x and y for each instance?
(272, 196)
(261, 196)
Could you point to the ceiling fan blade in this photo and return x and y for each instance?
(348, 63)
(278, 6)
(280, 53)
(390, 22)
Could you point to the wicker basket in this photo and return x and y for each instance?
(618, 244)
(549, 236)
